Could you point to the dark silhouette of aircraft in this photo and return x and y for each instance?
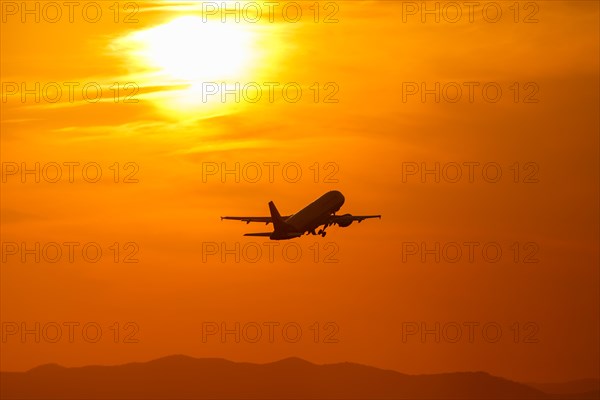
(319, 212)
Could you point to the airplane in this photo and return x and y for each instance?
(319, 212)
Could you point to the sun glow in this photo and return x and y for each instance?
(190, 52)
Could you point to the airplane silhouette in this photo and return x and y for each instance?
(319, 212)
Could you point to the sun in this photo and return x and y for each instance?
(178, 60)
(191, 50)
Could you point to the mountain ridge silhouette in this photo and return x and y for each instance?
(185, 377)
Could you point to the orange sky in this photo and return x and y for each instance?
(371, 294)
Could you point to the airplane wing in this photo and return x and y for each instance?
(266, 220)
(347, 219)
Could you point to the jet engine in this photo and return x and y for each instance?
(344, 220)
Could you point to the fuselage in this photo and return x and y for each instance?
(316, 213)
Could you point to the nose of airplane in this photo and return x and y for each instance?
(338, 196)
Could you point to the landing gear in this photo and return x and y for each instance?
(322, 232)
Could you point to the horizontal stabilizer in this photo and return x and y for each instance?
(268, 234)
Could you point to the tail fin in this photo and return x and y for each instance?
(282, 230)
(278, 222)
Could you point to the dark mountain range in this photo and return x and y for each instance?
(181, 377)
